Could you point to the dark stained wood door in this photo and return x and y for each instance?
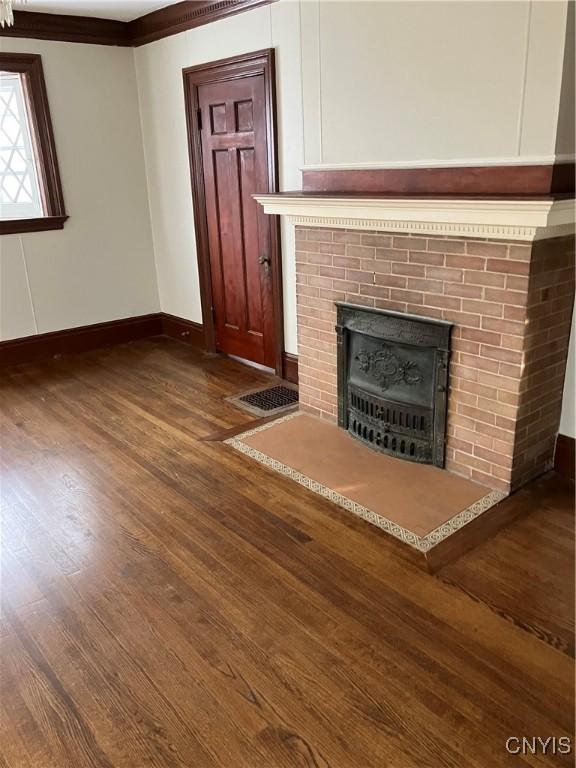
(235, 166)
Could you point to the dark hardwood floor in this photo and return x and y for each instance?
(167, 602)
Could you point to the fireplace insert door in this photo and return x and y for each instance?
(393, 380)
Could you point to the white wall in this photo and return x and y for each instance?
(407, 83)
(359, 83)
(159, 72)
(100, 266)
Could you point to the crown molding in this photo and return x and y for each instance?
(67, 29)
(186, 15)
(146, 29)
(518, 219)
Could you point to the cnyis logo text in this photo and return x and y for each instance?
(539, 745)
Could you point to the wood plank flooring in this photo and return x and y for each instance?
(166, 602)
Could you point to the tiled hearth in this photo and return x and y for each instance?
(501, 271)
(511, 306)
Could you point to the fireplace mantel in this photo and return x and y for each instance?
(503, 218)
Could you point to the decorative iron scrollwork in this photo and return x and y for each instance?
(388, 368)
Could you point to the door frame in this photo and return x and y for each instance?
(233, 68)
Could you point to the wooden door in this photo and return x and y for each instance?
(234, 142)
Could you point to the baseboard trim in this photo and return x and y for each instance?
(43, 346)
(565, 456)
(187, 331)
(83, 339)
(290, 367)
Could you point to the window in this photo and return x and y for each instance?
(30, 190)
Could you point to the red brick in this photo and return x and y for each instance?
(477, 414)
(505, 297)
(490, 481)
(444, 273)
(414, 297)
(423, 284)
(461, 345)
(338, 272)
(334, 249)
(446, 246)
(464, 291)
(307, 269)
(473, 462)
(507, 355)
(493, 250)
(346, 261)
(358, 276)
(320, 282)
(410, 243)
(319, 258)
(424, 311)
(465, 262)
(306, 290)
(513, 371)
(484, 337)
(492, 456)
(361, 251)
(389, 254)
(445, 302)
(505, 326)
(346, 285)
(347, 237)
(421, 257)
(377, 291)
(498, 408)
(324, 235)
(508, 266)
(330, 295)
(482, 363)
(515, 313)
(364, 300)
(413, 270)
(517, 283)
(484, 278)
(392, 306)
(482, 307)
(393, 281)
(379, 241)
(520, 252)
(462, 318)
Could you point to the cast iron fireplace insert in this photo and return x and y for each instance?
(393, 381)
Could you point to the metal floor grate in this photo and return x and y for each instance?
(271, 399)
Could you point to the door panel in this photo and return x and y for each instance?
(235, 166)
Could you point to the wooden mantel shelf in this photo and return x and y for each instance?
(504, 218)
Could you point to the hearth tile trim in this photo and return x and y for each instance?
(420, 543)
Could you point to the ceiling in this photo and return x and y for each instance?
(122, 10)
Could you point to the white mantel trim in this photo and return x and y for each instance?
(499, 219)
(461, 162)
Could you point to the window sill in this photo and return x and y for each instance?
(42, 224)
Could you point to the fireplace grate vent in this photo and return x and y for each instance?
(390, 427)
(393, 381)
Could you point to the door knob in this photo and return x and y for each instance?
(264, 260)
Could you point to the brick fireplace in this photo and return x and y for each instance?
(509, 297)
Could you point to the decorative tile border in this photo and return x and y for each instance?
(421, 543)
